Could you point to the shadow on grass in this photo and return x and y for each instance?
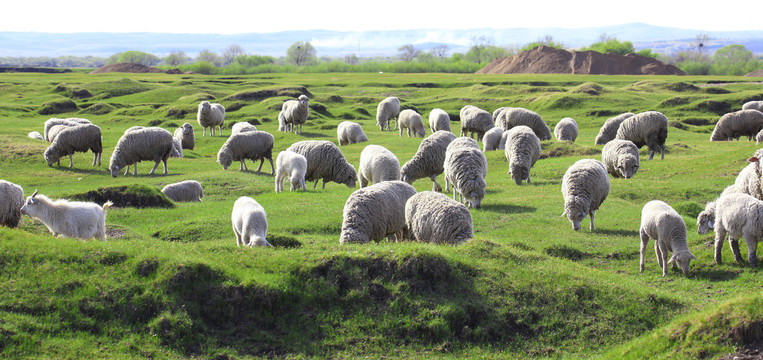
(617, 232)
(711, 274)
(508, 208)
(313, 135)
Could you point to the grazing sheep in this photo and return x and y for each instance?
(411, 120)
(82, 220)
(522, 151)
(282, 125)
(250, 223)
(465, 166)
(748, 181)
(377, 164)
(706, 218)
(375, 212)
(296, 112)
(621, 158)
(325, 161)
(348, 132)
(68, 122)
(35, 135)
(439, 120)
(210, 116)
(740, 123)
(512, 117)
(292, 166)
(428, 160)
(153, 143)
(608, 131)
(758, 137)
(492, 139)
(387, 110)
(436, 218)
(475, 121)
(242, 127)
(753, 105)
(585, 186)
(662, 223)
(566, 130)
(184, 191)
(186, 136)
(648, 128)
(256, 145)
(11, 201)
(177, 148)
(738, 215)
(80, 138)
(497, 113)
(56, 129)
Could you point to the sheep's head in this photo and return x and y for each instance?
(705, 222)
(350, 181)
(421, 132)
(474, 199)
(51, 155)
(187, 129)
(518, 173)
(627, 165)
(575, 216)
(258, 241)
(205, 106)
(303, 100)
(225, 160)
(30, 206)
(114, 170)
(683, 258)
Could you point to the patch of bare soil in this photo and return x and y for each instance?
(128, 68)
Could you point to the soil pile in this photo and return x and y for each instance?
(758, 73)
(127, 68)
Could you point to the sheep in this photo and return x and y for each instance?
(82, 220)
(566, 130)
(153, 143)
(250, 222)
(256, 145)
(492, 139)
(759, 137)
(282, 125)
(411, 120)
(377, 164)
(186, 136)
(465, 166)
(184, 191)
(621, 158)
(210, 116)
(325, 161)
(177, 148)
(738, 215)
(80, 138)
(648, 128)
(439, 120)
(387, 110)
(740, 123)
(241, 127)
(428, 160)
(475, 121)
(753, 105)
(497, 112)
(512, 117)
(55, 130)
(296, 112)
(436, 218)
(375, 212)
(349, 132)
(11, 201)
(608, 130)
(748, 181)
(522, 151)
(659, 221)
(35, 135)
(706, 218)
(68, 122)
(585, 186)
(292, 166)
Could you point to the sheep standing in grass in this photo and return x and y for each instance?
(522, 151)
(435, 218)
(585, 186)
(82, 220)
(621, 158)
(325, 161)
(377, 164)
(387, 110)
(349, 132)
(411, 120)
(428, 160)
(11, 201)
(250, 222)
(497, 112)
(512, 117)
(738, 215)
(608, 131)
(210, 116)
(648, 128)
(35, 135)
(80, 138)
(566, 130)
(185, 135)
(748, 181)
(67, 122)
(439, 120)
(375, 212)
(662, 223)
(151, 143)
(255, 145)
(296, 112)
(475, 121)
(177, 148)
(282, 125)
(492, 139)
(465, 167)
(242, 127)
(753, 105)
(706, 218)
(184, 191)
(292, 166)
(736, 124)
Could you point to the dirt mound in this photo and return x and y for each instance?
(547, 60)
(127, 68)
(758, 73)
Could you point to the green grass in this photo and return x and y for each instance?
(170, 282)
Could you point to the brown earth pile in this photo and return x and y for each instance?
(127, 68)
(547, 60)
(758, 73)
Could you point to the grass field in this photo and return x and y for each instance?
(171, 283)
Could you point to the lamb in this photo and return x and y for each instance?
(282, 125)
(80, 138)
(465, 166)
(585, 186)
(648, 128)
(608, 131)
(250, 222)
(435, 218)
(241, 127)
(748, 181)
(706, 218)
(740, 123)
(349, 132)
(387, 110)
(11, 201)
(428, 160)
(375, 212)
(512, 117)
(35, 135)
(439, 120)
(186, 136)
(522, 151)
(210, 116)
(377, 164)
(492, 139)
(738, 215)
(566, 130)
(659, 221)
(411, 120)
(153, 143)
(184, 191)
(257, 145)
(475, 121)
(296, 112)
(621, 158)
(292, 166)
(82, 220)
(325, 161)
(68, 122)
(177, 148)
(758, 137)
(753, 105)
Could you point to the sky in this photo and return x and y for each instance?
(234, 17)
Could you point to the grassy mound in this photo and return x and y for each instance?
(58, 107)
(137, 196)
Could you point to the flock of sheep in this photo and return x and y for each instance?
(387, 205)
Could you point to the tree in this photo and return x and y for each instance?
(134, 56)
(611, 45)
(734, 60)
(547, 40)
(699, 44)
(176, 58)
(475, 53)
(301, 53)
(408, 52)
(440, 51)
(351, 59)
(209, 57)
(231, 52)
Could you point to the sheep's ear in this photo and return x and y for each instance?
(564, 213)
(693, 257)
(753, 159)
(35, 193)
(672, 258)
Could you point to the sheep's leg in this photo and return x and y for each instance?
(156, 165)
(135, 169)
(302, 182)
(651, 153)
(71, 160)
(204, 131)
(165, 166)
(100, 154)
(528, 177)
(221, 130)
(315, 184)
(447, 186)
(401, 132)
(127, 170)
(363, 181)
(642, 250)
(720, 233)
(261, 162)
(752, 250)
(662, 153)
(435, 185)
(278, 178)
(734, 243)
(324, 183)
(592, 213)
(95, 157)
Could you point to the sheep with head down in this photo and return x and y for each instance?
(511, 117)
(377, 164)
(585, 186)
(184, 191)
(11, 201)
(250, 223)
(375, 212)
(291, 166)
(411, 120)
(439, 120)
(522, 150)
(659, 221)
(80, 138)
(428, 160)
(349, 132)
(435, 218)
(465, 167)
(608, 130)
(253, 145)
(648, 128)
(737, 124)
(566, 130)
(621, 158)
(325, 161)
(475, 121)
(138, 144)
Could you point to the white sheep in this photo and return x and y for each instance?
(608, 130)
(325, 161)
(736, 124)
(428, 160)
(11, 201)
(296, 112)
(465, 167)
(566, 130)
(748, 181)
(250, 222)
(210, 116)
(241, 127)
(511, 117)
(377, 164)
(282, 125)
(80, 138)
(706, 218)
(475, 121)
(492, 139)
(153, 143)
(497, 112)
(348, 132)
(411, 120)
(648, 128)
(184, 191)
(522, 151)
(434, 217)
(387, 110)
(292, 166)
(621, 158)
(68, 122)
(255, 145)
(585, 186)
(82, 220)
(753, 105)
(738, 215)
(375, 212)
(56, 129)
(659, 221)
(439, 120)
(186, 136)
(35, 135)
(177, 148)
